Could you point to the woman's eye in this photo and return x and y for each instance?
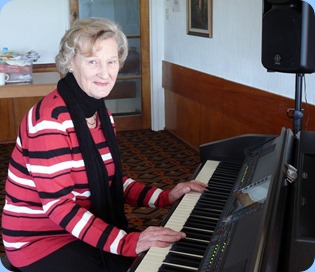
(112, 62)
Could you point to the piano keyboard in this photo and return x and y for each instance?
(197, 215)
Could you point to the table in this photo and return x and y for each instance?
(17, 98)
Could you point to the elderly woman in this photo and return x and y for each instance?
(64, 207)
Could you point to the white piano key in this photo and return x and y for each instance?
(155, 256)
(207, 170)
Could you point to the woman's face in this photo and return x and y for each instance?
(97, 74)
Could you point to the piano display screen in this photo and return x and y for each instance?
(250, 197)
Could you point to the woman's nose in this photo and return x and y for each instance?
(104, 71)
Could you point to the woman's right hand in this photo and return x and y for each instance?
(157, 237)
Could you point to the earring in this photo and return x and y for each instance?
(70, 70)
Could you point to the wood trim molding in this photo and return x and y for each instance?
(201, 108)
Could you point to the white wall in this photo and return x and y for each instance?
(234, 52)
(33, 25)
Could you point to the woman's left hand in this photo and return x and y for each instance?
(185, 187)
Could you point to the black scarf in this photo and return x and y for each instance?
(82, 106)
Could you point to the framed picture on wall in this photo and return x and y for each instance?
(199, 18)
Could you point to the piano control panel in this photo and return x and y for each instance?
(244, 201)
(236, 241)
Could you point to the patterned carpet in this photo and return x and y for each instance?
(156, 158)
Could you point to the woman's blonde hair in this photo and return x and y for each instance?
(83, 35)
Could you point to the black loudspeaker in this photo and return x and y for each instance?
(288, 36)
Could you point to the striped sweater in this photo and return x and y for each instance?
(47, 195)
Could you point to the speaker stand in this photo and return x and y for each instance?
(298, 114)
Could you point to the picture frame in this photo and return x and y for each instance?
(199, 18)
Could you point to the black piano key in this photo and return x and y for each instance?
(190, 243)
(229, 165)
(183, 246)
(212, 199)
(204, 207)
(203, 217)
(193, 243)
(219, 182)
(216, 206)
(171, 268)
(197, 234)
(204, 214)
(189, 225)
(213, 203)
(216, 193)
(223, 177)
(225, 171)
(201, 222)
(219, 186)
(182, 259)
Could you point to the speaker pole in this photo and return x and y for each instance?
(298, 114)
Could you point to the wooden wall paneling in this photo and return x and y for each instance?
(212, 123)
(205, 96)
(226, 109)
(171, 104)
(255, 111)
(212, 118)
(21, 106)
(183, 117)
(128, 122)
(188, 117)
(7, 125)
